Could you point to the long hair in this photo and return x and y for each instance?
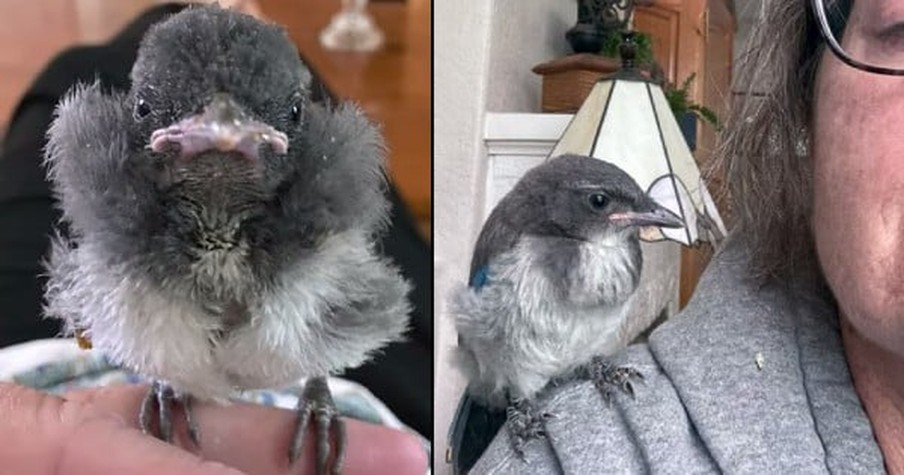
(764, 151)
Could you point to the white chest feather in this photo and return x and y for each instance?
(293, 331)
(520, 332)
(605, 273)
(588, 318)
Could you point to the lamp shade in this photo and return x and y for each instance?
(627, 121)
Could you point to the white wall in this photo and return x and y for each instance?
(524, 33)
(483, 55)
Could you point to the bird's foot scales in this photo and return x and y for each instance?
(162, 398)
(525, 423)
(317, 403)
(608, 378)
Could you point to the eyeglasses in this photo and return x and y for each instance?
(865, 34)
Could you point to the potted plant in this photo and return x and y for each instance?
(688, 112)
(643, 48)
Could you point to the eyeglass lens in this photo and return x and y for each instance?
(869, 31)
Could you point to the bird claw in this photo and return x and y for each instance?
(316, 403)
(525, 424)
(164, 398)
(608, 377)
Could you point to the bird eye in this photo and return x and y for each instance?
(296, 112)
(598, 200)
(142, 109)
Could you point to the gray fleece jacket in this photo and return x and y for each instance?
(706, 405)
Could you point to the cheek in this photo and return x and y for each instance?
(858, 153)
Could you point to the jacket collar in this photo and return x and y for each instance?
(773, 387)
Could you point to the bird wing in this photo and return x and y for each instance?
(473, 429)
(475, 424)
(498, 235)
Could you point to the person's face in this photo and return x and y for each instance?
(858, 216)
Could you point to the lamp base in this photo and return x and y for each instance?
(568, 80)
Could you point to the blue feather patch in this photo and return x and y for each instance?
(480, 278)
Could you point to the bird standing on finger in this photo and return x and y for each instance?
(551, 276)
(221, 225)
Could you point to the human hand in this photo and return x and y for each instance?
(95, 431)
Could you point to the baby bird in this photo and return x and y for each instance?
(551, 274)
(221, 225)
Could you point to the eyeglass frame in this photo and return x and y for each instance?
(818, 7)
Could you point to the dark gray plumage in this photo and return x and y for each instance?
(552, 271)
(221, 225)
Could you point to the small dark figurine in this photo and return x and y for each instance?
(221, 226)
(547, 298)
(597, 20)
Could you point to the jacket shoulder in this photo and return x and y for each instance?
(647, 432)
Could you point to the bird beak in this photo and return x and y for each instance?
(222, 126)
(658, 216)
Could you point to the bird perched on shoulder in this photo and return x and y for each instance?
(221, 225)
(552, 271)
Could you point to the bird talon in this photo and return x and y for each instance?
(525, 424)
(607, 396)
(607, 377)
(317, 404)
(163, 399)
(518, 448)
(193, 432)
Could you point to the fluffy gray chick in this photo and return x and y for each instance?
(221, 226)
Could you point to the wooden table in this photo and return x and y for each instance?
(391, 84)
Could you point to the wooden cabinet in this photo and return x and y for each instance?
(695, 37)
(661, 23)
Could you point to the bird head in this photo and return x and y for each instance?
(217, 98)
(588, 199)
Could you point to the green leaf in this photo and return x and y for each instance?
(644, 54)
(679, 101)
(706, 114)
